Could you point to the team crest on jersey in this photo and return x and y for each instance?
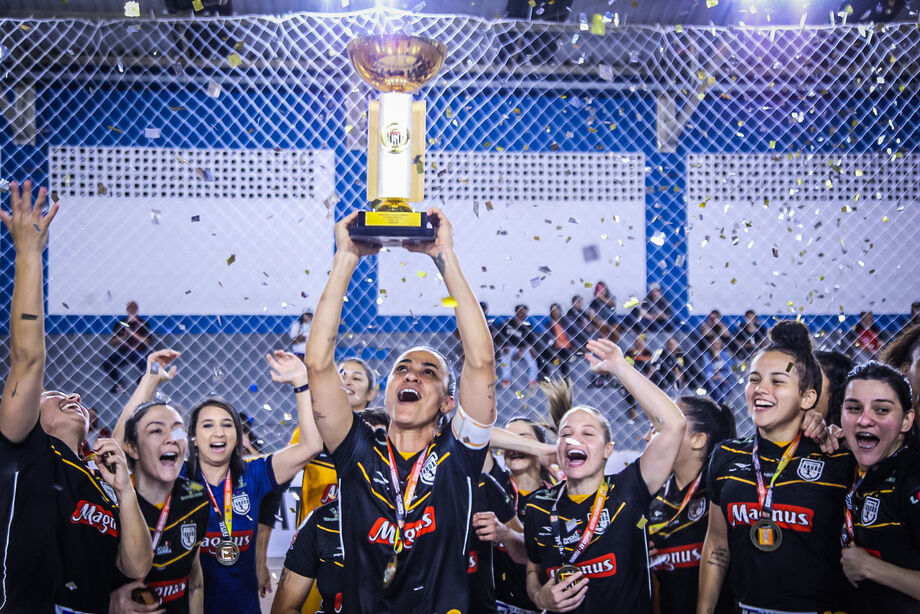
(109, 491)
(429, 469)
(241, 504)
(870, 510)
(810, 469)
(604, 521)
(188, 535)
(697, 508)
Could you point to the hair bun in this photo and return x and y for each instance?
(793, 335)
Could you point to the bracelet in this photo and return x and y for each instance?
(299, 389)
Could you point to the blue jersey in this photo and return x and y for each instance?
(235, 588)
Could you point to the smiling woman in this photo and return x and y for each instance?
(406, 496)
(880, 556)
(586, 539)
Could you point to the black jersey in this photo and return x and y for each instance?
(487, 497)
(186, 524)
(510, 576)
(59, 529)
(431, 575)
(316, 552)
(804, 573)
(615, 560)
(887, 524)
(679, 545)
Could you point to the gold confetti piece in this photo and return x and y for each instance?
(642, 522)
(489, 205)
(231, 259)
(711, 3)
(678, 28)
(519, 394)
(234, 59)
(197, 5)
(885, 219)
(239, 45)
(114, 129)
(632, 302)
(177, 108)
(598, 27)
(449, 301)
(422, 274)
(132, 9)
(24, 27)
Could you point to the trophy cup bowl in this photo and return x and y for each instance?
(396, 65)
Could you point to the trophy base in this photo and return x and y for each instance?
(392, 228)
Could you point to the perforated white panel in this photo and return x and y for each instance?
(251, 233)
(548, 177)
(802, 177)
(802, 234)
(190, 173)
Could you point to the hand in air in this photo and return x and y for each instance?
(344, 243)
(443, 239)
(158, 364)
(605, 356)
(27, 225)
(286, 368)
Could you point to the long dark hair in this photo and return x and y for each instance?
(880, 372)
(835, 367)
(792, 338)
(236, 457)
(134, 420)
(715, 420)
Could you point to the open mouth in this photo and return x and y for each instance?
(511, 455)
(866, 441)
(74, 407)
(576, 457)
(169, 459)
(218, 446)
(408, 395)
(763, 404)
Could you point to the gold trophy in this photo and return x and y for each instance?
(395, 65)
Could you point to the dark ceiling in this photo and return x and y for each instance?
(623, 12)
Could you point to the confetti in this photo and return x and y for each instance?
(489, 205)
(132, 9)
(605, 72)
(196, 218)
(519, 394)
(789, 366)
(198, 5)
(288, 417)
(449, 301)
(535, 281)
(590, 253)
(267, 407)
(632, 302)
(71, 586)
(422, 274)
(155, 215)
(234, 59)
(598, 25)
(204, 174)
(253, 388)
(114, 129)
(231, 259)
(657, 239)
(572, 220)
(545, 270)
(214, 89)
(5, 187)
(152, 133)
(101, 189)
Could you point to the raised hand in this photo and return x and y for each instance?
(158, 364)
(286, 368)
(605, 356)
(27, 225)
(443, 239)
(112, 465)
(344, 243)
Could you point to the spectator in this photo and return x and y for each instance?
(914, 316)
(749, 336)
(866, 341)
(655, 311)
(299, 332)
(717, 369)
(130, 343)
(557, 347)
(640, 356)
(578, 324)
(604, 306)
(670, 374)
(714, 326)
(518, 341)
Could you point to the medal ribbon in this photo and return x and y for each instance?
(225, 521)
(847, 535)
(403, 502)
(654, 528)
(161, 523)
(765, 494)
(600, 497)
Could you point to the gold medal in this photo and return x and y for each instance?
(227, 553)
(390, 572)
(564, 573)
(766, 535)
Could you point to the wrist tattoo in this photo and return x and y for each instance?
(439, 262)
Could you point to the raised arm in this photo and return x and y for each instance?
(19, 406)
(286, 368)
(331, 410)
(477, 380)
(158, 371)
(504, 439)
(657, 461)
